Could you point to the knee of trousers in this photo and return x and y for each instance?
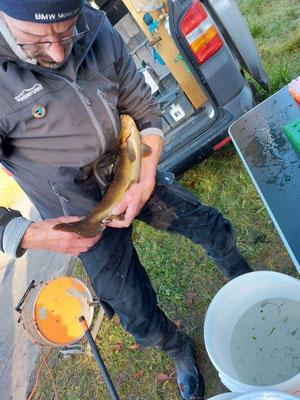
(162, 333)
(206, 226)
(138, 312)
(223, 239)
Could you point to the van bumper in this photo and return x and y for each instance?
(197, 150)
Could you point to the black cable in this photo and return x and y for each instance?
(99, 360)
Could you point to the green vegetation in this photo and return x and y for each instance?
(185, 281)
(275, 27)
(183, 276)
(9, 189)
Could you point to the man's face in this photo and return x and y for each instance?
(50, 55)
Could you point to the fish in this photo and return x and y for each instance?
(130, 151)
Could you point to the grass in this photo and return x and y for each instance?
(175, 265)
(275, 27)
(9, 189)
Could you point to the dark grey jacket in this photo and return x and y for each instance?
(53, 158)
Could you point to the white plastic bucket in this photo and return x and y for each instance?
(225, 396)
(225, 310)
(254, 396)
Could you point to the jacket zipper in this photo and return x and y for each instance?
(108, 106)
(86, 102)
(63, 200)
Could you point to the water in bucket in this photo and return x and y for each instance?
(265, 345)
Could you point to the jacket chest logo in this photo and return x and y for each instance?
(29, 92)
(39, 111)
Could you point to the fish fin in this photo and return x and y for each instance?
(83, 228)
(130, 151)
(119, 217)
(145, 150)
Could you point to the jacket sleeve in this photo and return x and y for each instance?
(135, 96)
(12, 236)
(12, 229)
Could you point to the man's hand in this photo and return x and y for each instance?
(138, 194)
(40, 235)
(133, 201)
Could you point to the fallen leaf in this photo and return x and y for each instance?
(192, 184)
(117, 320)
(137, 374)
(191, 295)
(117, 347)
(178, 324)
(189, 302)
(162, 378)
(223, 280)
(134, 346)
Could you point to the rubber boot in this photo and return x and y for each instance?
(189, 378)
(180, 348)
(233, 265)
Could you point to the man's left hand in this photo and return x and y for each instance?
(132, 203)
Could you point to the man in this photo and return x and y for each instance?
(65, 78)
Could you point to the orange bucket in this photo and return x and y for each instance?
(50, 312)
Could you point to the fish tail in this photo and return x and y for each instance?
(84, 228)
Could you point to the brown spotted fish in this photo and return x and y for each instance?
(127, 172)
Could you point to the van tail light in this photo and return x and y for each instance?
(200, 33)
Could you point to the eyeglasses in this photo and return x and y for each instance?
(38, 46)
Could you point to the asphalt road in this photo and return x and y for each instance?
(17, 354)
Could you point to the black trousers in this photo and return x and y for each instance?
(120, 281)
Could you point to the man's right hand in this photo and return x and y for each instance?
(40, 235)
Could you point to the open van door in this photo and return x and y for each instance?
(238, 37)
(231, 24)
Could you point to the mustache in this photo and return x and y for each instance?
(41, 53)
(50, 63)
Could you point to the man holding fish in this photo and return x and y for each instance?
(66, 78)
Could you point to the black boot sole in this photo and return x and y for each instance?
(201, 386)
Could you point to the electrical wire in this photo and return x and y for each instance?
(43, 362)
(38, 375)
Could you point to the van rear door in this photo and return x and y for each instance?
(231, 24)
